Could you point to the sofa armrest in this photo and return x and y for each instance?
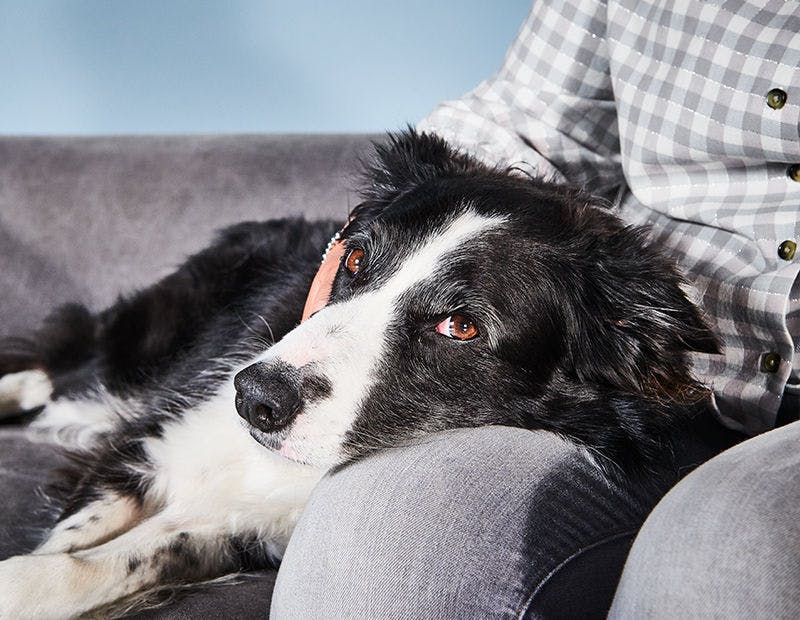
(84, 219)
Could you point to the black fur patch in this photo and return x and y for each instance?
(181, 561)
(249, 552)
(64, 344)
(315, 387)
(133, 564)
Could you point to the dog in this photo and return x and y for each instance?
(202, 412)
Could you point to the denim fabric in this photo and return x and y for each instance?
(482, 523)
(725, 542)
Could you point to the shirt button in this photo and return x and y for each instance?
(770, 362)
(787, 249)
(794, 172)
(776, 98)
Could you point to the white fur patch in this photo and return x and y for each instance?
(21, 391)
(78, 423)
(206, 466)
(345, 341)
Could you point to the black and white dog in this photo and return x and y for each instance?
(464, 296)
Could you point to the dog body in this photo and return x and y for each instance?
(466, 296)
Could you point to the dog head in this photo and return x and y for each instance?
(470, 296)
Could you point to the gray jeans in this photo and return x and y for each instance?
(482, 523)
(725, 542)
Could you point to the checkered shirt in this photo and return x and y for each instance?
(663, 106)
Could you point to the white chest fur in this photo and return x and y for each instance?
(207, 466)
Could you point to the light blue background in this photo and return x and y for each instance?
(155, 66)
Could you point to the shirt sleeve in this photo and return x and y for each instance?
(550, 108)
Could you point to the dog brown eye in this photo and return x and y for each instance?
(354, 261)
(458, 326)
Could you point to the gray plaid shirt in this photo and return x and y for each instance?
(665, 106)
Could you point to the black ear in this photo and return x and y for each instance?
(406, 160)
(635, 326)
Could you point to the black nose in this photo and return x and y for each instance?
(267, 396)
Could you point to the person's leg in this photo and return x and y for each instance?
(483, 523)
(725, 542)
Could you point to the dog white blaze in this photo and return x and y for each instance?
(344, 342)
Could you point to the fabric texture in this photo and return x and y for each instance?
(663, 108)
(87, 219)
(493, 522)
(733, 525)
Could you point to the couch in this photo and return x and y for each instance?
(85, 219)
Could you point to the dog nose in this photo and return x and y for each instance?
(266, 397)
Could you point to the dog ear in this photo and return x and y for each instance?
(633, 325)
(404, 161)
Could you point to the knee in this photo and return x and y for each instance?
(461, 524)
(724, 539)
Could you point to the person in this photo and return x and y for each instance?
(685, 115)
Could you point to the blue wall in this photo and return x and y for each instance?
(134, 66)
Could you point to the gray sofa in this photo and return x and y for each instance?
(88, 218)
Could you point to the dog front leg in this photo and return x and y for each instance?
(158, 551)
(94, 524)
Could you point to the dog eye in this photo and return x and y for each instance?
(458, 326)
(354, 261)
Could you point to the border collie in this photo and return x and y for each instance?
(458, 295)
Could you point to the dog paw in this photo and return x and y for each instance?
(39, 587)
(20, 595)
(21, 391)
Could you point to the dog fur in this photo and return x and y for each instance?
(583, 329)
